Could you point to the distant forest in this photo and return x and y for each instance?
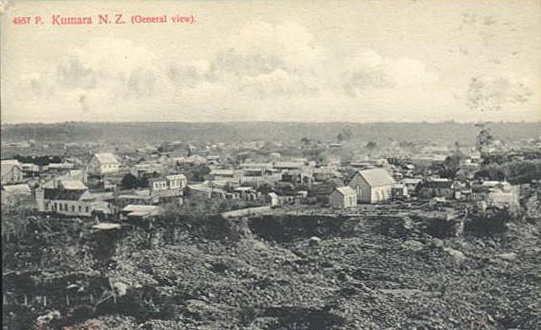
(156, 133)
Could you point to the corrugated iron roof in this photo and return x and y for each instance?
(377, 177)
(106, 158)
(346, 191)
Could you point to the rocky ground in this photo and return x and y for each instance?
(354, 275)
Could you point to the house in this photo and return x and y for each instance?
(273, 199)
(193, 160)
(70, 197)
(139, 197)
(283, 166)
(168, 186)
(411, 184)
(204, 190)
(503, 199)
(103, 163)
(343, 197)
(323, 174)
(400, 191)
(296, 176)
(225, 175)
(263, 166)
(17, 190)
(425, 160)
(436, 188)
(12, 171)
(372, 185)
(30, 169)
(16, 194)
(147, 169)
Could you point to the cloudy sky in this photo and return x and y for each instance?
(309, 61)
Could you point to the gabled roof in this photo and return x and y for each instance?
(17, 189)
(175, 176)
(222, 172)
(346, 191)
(106, 158)
(69, 195)
(195, 159)
(73, 185)
(377, 177)
(66, 182)
(8, 165)
(11, 162)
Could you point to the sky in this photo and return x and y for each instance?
(301, 61)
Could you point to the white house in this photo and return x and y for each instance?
(69, 197)
(343, 197)
(372, 185)
(168, 186)
(12, 171)
(103, 163)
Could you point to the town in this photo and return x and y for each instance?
(277, 191)
(142, 183)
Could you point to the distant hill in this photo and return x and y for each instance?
(155, 133)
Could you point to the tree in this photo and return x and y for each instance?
(484, 138)
(344, 135)
(129, 181)
(451, 165)
(371, 145)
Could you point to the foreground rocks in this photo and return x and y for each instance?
(367, 279)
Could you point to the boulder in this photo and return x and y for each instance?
(437, 243)
(413, 245)
(507, 256)
(314, 241)
(457, 256)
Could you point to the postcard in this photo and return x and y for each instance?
(368, 164)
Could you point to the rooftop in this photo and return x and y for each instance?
(377, 177)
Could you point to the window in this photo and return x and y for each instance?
(80, 207)
(87, 209)
(73, 208)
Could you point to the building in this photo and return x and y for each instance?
(103, 163)
(70, 197)
(12, 171)
(17, 194)
(168, 186)
(273, 199)
(204, 190)
(503, 199)
(343, 197)
(372, 185)
(411, 184)
(400, 191)
(225, 175)
(436, 188)
(325, 173)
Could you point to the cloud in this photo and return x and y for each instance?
(261, 72)
(290, 42)
(261, 61)
(493, 93)
(369, 70)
